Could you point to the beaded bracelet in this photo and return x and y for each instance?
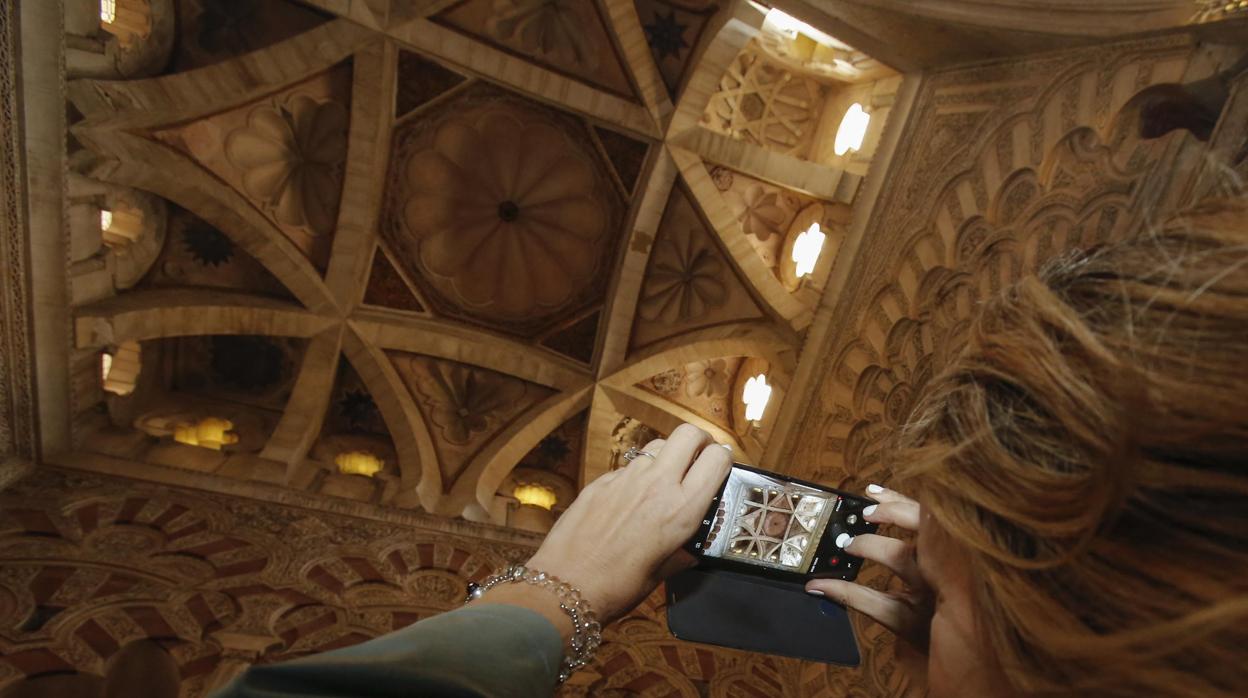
(586, 632)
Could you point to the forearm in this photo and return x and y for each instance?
(541, 601)
(488, 650)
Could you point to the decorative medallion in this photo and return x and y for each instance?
(690, 282)
(291, 157)
(503, 211)
(285, 154)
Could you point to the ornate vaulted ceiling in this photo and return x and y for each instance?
(464, 237)
(491, 243)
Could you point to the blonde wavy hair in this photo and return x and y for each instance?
(1089, 452)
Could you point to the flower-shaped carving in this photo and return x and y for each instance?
(762, 213)
(554, 30)
(464, 400)
(709, 378)
(684, 281)
(291, 157)
(508, 214)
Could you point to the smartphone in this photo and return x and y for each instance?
(778, 527)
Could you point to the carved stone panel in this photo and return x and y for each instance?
(690, 282)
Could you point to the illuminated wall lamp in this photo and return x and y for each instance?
(852, 131)
(755, 396)
(806, 249)
(358, 463)
(209, 432)
(108, 11)
(538, 496)
(106, 219)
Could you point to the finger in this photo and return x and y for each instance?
(883, 608)
(603, 480)
(890, 552)
(654, 446)
(882, 494)
(903, 514)
(707, 475)
(646, 455)
(678, 453)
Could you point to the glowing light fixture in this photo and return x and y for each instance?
(806, 249)
(106, 365)
(853, 129)
(106, 219)
(108, 11)
(209, 432)
(535, 495)
(755, 397)
(358, 463)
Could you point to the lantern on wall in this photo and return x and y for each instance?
(358, 463)
(209, 432)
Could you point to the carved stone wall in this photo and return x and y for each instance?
(94, 565)
(16, 399)
(1006, 165)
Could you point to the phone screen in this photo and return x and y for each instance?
(779, 527)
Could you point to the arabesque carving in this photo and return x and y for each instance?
(1001, 180)
(107, 563)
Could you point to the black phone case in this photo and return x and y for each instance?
(756, 614)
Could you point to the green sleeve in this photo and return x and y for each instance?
(490, 651)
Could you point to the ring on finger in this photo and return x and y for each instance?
(634, 453)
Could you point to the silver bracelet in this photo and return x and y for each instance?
(586, 632)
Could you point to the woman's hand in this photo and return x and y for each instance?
(907, 613)
(622, 535)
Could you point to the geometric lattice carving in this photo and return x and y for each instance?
(762, 103)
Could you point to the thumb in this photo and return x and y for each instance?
(678, 561)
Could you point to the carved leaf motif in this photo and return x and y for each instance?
(685, 280)
(464, 400)
(553, 30)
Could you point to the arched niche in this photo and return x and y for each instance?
(122, 229)
(118, 39)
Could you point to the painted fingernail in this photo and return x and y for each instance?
(843, 540)
(867, 511)
(814, 592)
(874, 489)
